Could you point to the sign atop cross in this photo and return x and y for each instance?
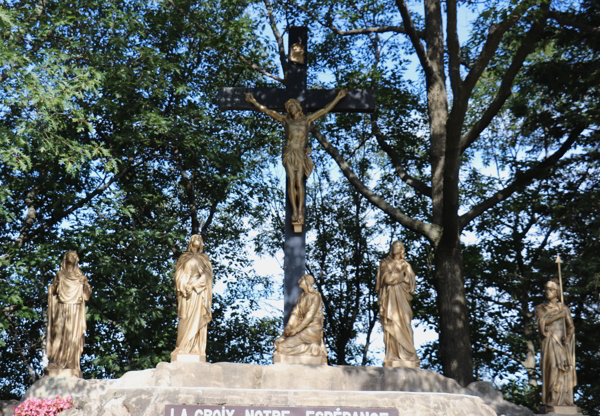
(356, 101)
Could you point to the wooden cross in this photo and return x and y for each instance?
(357, 101)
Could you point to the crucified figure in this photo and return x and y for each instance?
(295, 153)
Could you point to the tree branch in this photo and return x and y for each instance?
(495, 34)
(277, 35)
(521, 180)
(57, 217)
(258, 69)
(505, 89)
(429, 231)
(454, 49)
(209, 219)
(565, 19)
(358, 31)
(414, 38)
(397, 163)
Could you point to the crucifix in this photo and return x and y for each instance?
(292, 99)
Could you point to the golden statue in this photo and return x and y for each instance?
(395, 285)
(557, 333)
(66, 318)
(302, 339)
(295, 152)
(193, 283)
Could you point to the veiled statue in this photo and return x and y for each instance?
(557, 334)
(193, 284)
(298, 165)
(66, 318)
(302, 339)
(395, 286)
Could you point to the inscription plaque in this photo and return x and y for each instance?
(200, 410)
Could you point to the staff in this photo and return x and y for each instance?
(562, 299)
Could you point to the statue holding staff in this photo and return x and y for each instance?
(295, 152)
(66, 318)
(557, 334)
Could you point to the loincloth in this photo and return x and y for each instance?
(296, 159)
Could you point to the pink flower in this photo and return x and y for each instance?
(45, 407)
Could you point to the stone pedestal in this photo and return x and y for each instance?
(402, 363)
(146, 393)
(188, 358)
(560, 410)
(298, 359)
(61, 372)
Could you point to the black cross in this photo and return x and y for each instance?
(357, 101)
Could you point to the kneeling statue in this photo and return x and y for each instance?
(302, 339)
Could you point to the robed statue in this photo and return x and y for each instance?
(302, 339)
(557, 334)
(395, 286)
(296, 161)
(66, 318)
(193, 285)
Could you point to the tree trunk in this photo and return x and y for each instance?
(455, 341)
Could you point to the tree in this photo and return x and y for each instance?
(505, 39)
(112, 146)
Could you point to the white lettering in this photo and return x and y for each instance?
(183, 412)
(172, 412)
(364, 413)
(285, 412)
(337, 412)
(249, 412)
(383, 414)
(355, 414)
(208, 412)
(198, 412)
(258, 413)
(216, 412)
(276, 413)
(267, 412)
(328, 413)
(232, 412)
(308, 413)
(346, 414)
(319, 414)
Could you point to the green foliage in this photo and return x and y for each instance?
(112, 145)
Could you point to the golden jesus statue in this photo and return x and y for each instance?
(295, 152)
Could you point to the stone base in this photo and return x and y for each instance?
(297, 227)
(402, 363)
(298, 359)
(146, 393)
(62, 372)
(188, 358)
(560, 410)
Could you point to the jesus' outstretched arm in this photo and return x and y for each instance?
(250, 98)
(312, 117)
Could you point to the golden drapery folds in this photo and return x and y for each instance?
(557, 334)
(303, 334)
(395, 284)
(66, 315)
(193, 283)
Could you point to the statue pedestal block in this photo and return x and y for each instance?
(402, 363)
(561, 410)
(188, 358)
(297, 227)
(61, 372)
(298, 359)
(147, 393)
